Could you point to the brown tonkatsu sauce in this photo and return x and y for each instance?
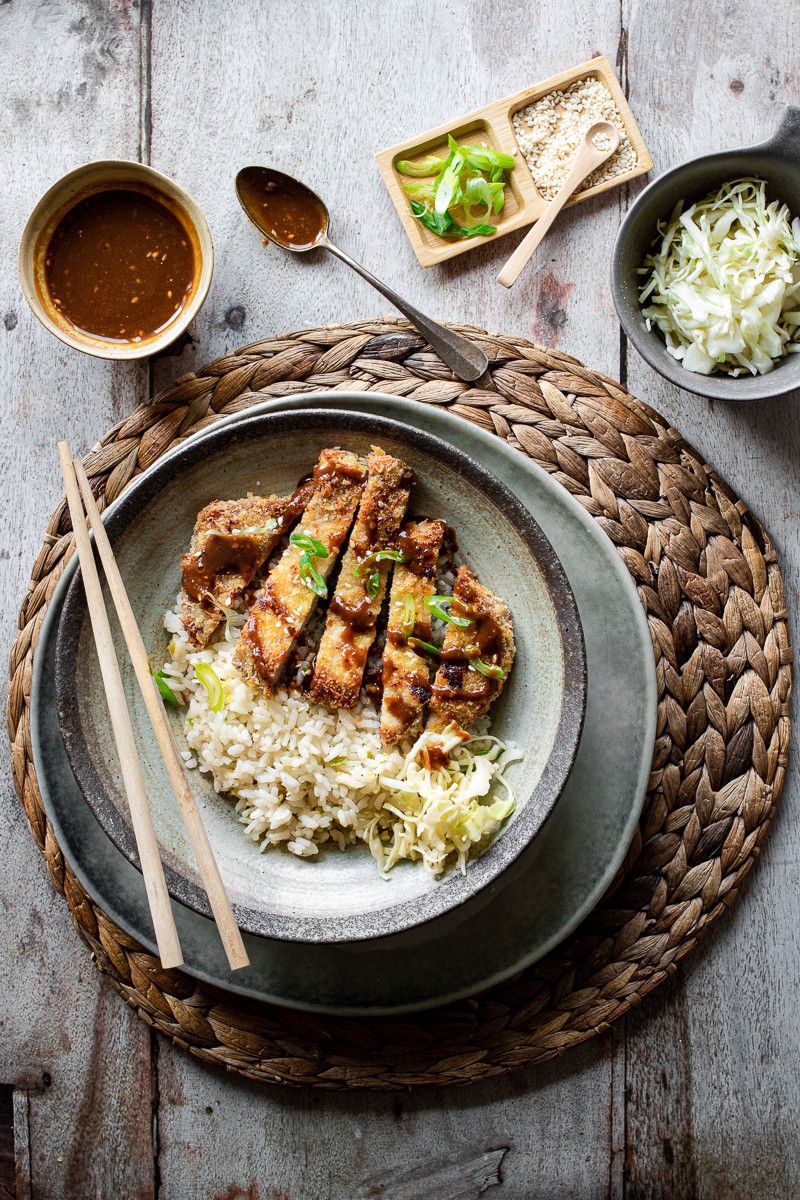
(434, 758)
(285, 210)
(297, 503)
(486, 640)
(324, 474)
(400, 709)
(221, 553)
(487, 688)
(357, 617)
(417, 556)
(119, 266)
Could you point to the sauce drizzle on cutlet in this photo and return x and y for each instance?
(221, 553)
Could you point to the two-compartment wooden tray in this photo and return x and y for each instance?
(492, 124)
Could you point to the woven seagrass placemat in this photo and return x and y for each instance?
(710, 584)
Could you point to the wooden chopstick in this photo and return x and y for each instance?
(198, 836)
(169, 947)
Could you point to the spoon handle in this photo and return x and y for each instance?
(587, 160)
(464, 358)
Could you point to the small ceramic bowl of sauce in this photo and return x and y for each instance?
(116, 260)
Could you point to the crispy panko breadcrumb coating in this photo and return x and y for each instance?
(406, 674)
(460, 693)
(353, 611)
(284, 605)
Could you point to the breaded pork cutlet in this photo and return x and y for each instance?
(293, 586)
(232, 539)
(353, 611)
(461, 693)
(406, 674)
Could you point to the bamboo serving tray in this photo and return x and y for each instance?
(493, 124)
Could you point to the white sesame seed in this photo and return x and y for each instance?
(550, 131)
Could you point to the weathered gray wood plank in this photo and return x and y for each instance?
(222, 1137)
(711, 1092)
(82, 1062)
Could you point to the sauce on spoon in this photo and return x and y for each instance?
(286, 210)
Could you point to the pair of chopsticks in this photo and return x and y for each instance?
(169, 948)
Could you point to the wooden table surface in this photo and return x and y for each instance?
(695, 1094)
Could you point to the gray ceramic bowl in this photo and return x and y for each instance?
(338, 896)
(777, 162)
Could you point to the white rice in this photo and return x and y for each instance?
(304, 776)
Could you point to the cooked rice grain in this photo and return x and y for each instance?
(301, 774)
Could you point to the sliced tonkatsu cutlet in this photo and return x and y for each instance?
(406, 674)
(232, 540)
(353, 611)
(297, 580)
(475, 659)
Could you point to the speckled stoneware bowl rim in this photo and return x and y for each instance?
(67, 191)
(534, 806)
(783, 147)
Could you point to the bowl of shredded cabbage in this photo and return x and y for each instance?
(706, 270)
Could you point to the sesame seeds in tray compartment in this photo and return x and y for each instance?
(541, 128)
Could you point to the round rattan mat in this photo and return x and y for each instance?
(709, 581)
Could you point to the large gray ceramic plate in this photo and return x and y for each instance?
(535, 904)
(334, 896)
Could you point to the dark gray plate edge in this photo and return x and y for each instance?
(593, 896)
(533, 813)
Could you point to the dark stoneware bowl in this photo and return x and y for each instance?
(777, 162)
(339, 896)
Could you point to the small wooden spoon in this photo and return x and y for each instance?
(588, 159)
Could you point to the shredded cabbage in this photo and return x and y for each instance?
(438, 814)
(724, 282)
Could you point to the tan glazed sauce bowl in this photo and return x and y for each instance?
(79, 185)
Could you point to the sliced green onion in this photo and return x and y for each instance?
(486, 159)
(430, 165)
(166, 691)
(488, 669)
(390, 555)
(312, 548)
(441, 224)
(211, 682)
(498, 193)
(421, 191)
(418, 644)
(311, 577)
(449, 183)
(472, 177)
(226, 612)
(373, 579)
(259, 530)
(338, 762)
(304, 541)
(435, 603)
(445, 226)
(477, 193)
(372, 583)
(409, 617)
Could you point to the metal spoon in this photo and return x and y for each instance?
(289, 214)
